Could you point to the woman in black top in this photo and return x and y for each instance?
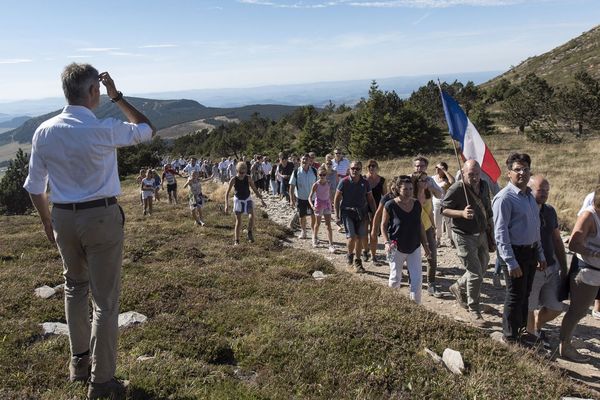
(403, 233)
(378, 189)
(242, 202)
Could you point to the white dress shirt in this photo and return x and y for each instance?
(75, 153)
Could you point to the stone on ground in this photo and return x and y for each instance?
(453, 361)
(433, 355)
(130, 318)
(45, 292)
(54, 328)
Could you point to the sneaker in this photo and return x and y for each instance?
(542, 338)
(331, 249)
(79, 368)
(236, 242)
(376, 259)
(350, 259)
(596, 314)
(302, 235)
(458, 296)
(201, 223)
(433, 290)
(496, 281)
(114, 390)
(358, 267)
(567, 351)
(250, 237)
(366, 256)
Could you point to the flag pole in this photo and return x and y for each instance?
(462, 177)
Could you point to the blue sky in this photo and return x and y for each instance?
(160, 45)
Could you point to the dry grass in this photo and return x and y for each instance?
(247, 322)
(572, 168)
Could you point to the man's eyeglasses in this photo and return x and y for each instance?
(521, 170)
(355, 169)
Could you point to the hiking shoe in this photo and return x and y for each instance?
(596, 314)
(250, 237)
(496, 281)
(350, 259)
(358, 267)
(114, 389)
(331, 249)
(567, 351)
(455, 290)
(433, 290)
(366, 256)
(302, 235)
(79, 368)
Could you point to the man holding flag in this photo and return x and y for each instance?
(468, 203)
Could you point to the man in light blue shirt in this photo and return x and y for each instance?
(301, 184)
(517, 234)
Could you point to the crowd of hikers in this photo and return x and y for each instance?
(409, 214)
(414, 214)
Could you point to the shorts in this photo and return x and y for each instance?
(303, 207)
(243, 206)
(544, 291)
(354, 226)
(147, 194)
(196, 202)
(171, 187)
(323, 211)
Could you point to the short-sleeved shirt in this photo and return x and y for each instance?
(354, 194)
(404, 227)
(342, 166)
(286, 170)
(303, 181)
(190, 169)
(455, 200)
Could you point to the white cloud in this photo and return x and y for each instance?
(158, 46)
(124, 54)
(98, 49)
(422, 18)
(79, 56)
(15, 60)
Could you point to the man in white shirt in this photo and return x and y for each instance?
(341, 164)
(192, 167)
(86, 222)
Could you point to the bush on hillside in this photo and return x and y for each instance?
(13, 198)
(132, 158)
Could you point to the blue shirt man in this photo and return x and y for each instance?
(517, 234)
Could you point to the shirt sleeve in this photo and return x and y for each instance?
(293, 179)
(340, 186)
(437, 190)
(127, 133)
(449, 200)
(37, 178)
(502, 208)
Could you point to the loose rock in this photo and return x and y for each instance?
(130, 318)
(434, 355)
(497, 336)
(145, 358)
(45, 292)
(318, 275)
(453, 361)
(54, 328)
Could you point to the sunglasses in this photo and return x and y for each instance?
(355, 169)
(322, 174)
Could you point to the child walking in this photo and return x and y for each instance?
(147, 187)
(242, 202)
(320, 192)
(196, 200)
(139, 180)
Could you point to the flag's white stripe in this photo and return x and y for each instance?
(473, 145)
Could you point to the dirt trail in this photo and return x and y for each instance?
(586, 336)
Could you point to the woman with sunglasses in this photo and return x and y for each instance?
(242, 202)
(403, 232)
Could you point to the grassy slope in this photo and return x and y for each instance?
(246, 322)
(572, 168)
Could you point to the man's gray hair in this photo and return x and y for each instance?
(76, 81)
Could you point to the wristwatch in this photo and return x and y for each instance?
(118, 98)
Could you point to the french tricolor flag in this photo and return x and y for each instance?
(463, 131)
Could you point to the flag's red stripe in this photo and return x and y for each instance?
(490, 166)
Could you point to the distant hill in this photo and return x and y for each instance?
(162, 113)
(559, 65)
(14, 122)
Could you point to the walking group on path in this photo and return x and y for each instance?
(409, 213)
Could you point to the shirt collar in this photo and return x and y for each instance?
(516, 190)
(78, 110)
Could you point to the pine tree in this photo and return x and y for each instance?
(13, 198)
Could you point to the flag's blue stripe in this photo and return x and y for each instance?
(456, 118)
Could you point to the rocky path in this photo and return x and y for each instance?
(587, 337)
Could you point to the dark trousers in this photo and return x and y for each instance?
(516, 302)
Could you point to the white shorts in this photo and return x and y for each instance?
(147, 194)
(242, 206)
(544, 291)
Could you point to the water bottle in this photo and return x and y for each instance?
(392, 249)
